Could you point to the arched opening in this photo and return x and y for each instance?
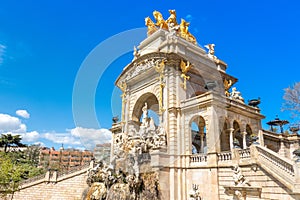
(225, 140)
(152, 107)
(248, 135)
(196, 85)
(198, 134)
(237, 136)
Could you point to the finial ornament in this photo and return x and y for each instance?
(185, 67)
(170, 25)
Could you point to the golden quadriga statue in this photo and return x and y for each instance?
(169, 24)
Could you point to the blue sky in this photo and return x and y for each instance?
(44, 43)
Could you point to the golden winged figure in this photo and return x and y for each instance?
(185, 67)
(160, 66)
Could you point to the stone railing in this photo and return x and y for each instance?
(73, 169)
(198, 158)
(280, 167)
(33, 179)
(244, 153)
(224, 156)
(44, 178)
(233, 102)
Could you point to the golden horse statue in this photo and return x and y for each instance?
(160, 22)
(172, 19)
(151, 26)
(184, 31)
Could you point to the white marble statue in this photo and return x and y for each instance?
(236, 94)
(238, 177)
(145, 115)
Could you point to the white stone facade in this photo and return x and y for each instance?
(195, 113)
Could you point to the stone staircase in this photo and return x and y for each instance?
(278, 177)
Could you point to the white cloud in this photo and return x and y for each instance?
(90, 137)
(30, 137)
(2, 51)
(61, 138)
(80, 138)
(11, 124)
(23, 113)
(40, 143)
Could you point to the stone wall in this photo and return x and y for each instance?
(68, 187)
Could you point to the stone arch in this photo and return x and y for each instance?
(195, 85)
(225, 136)
(237, 134)
(152, 104)
(198, 134)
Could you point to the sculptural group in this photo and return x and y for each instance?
(170, 24)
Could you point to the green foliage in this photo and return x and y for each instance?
(9, 140)
(16, 166)
(10, 174)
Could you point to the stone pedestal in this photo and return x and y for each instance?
(242, 192)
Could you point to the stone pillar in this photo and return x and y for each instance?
(202, 143)
(261, 138)
(244, 140)
(47, 176)
(231, 138)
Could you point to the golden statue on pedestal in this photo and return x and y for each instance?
(169, 25)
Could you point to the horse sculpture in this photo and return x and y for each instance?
(184, 33)
(171, 21)
(151, 26)
(160, 22)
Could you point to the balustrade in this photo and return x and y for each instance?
(274, 160)
(244, 153)
(198, 158)
(224, 156)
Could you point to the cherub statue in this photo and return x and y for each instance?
(151, 26)
(211, 52)
(136, 53)
(160, 22)
(211, 49)
(236, 94)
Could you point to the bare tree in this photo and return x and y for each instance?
(292, 100)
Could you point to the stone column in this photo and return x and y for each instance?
(231, 138)
(202, 143)
(244, 140)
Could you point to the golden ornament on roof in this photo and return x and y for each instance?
(170, 24)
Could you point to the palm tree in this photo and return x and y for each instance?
(9, 140)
